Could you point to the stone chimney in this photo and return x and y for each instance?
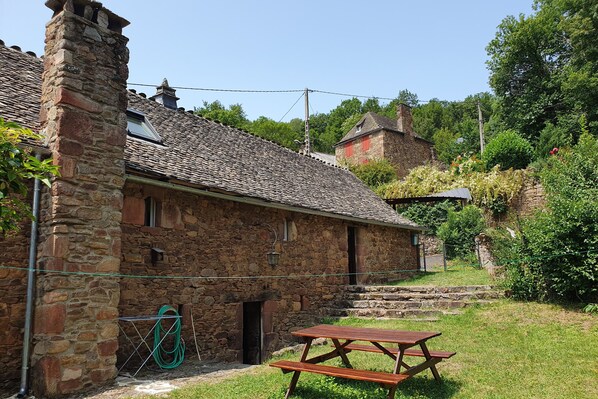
(83, 114)
(165, 95)
(404, 119)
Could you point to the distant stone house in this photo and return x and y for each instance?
(378, 137)
(158, 206)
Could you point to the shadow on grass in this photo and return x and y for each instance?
(338, 388)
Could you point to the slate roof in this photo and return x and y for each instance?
(211, 155)
(371, 122)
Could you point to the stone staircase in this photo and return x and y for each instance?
(414, 302)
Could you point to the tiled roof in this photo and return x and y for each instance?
(211, 155)
(372, 122)
(20, 87)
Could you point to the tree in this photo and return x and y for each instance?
(280, 132)
(233, 116)
(544, 68)
(17, 166)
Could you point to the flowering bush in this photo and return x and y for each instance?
(486, 188)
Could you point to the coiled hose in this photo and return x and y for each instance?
(160, 336)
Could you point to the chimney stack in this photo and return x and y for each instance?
(404, 119)
(165, 95)
(83, 113)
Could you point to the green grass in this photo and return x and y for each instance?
(452, 277)
(504, 350)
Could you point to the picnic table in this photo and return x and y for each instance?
(344, 338)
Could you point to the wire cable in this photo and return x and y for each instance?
(222, 90)
(292, 106)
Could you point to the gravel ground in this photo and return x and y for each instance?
(156, 382)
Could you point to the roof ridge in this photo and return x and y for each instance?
(18, 49)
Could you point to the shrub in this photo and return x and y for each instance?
(17, 166)
(509, 150)
(562, 243)
(428, 215)
(375, 172)
(485, 187)
(460, 229)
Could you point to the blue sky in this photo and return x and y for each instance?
(434, 48)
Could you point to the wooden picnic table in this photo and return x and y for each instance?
(374, 338)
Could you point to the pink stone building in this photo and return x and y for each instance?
(159, 206)
(377, 137)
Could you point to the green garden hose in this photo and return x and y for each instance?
(160, 336)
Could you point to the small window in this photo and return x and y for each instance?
(358, 127)
(289, 231)
(152, 208)
(138, 126)
(285, 231)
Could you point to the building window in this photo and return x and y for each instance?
(358, 128)
(285, 230)
(152, 208)
(139, 126)
(349, 150)
(365, 143)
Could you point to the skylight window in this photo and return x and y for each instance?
(138, 126)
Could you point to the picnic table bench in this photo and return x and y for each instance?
(390, 380)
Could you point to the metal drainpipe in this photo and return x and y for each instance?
(30, 288)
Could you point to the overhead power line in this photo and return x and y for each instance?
(275, 91)
(221, 90)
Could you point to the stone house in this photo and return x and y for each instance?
(158, 206)
(378, 137)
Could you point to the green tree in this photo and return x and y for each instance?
(233, 116)
(544, 67)
(279, 132)
(460, 229)
(17, 166)
(447, 145)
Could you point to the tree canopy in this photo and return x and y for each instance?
(544, 69)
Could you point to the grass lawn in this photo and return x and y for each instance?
(455, 275)
(504, 350)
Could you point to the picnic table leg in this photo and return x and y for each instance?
(391, 392)
(296, 374)
(399, 361)
(342, 353)
(428, 358)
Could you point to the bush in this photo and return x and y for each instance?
(509, 150)
(460, 230)
(375, 172)
(562, 243)
(428, 215)
(485, 187)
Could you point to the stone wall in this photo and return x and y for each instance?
(207, 237)
(403, 151)
(363, 149)
(14, 250)
(406, 152)
(530, 198)
(83, 108)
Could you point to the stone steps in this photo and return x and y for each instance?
(413, 302)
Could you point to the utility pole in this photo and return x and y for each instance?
(481, 123)
(307, 147)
